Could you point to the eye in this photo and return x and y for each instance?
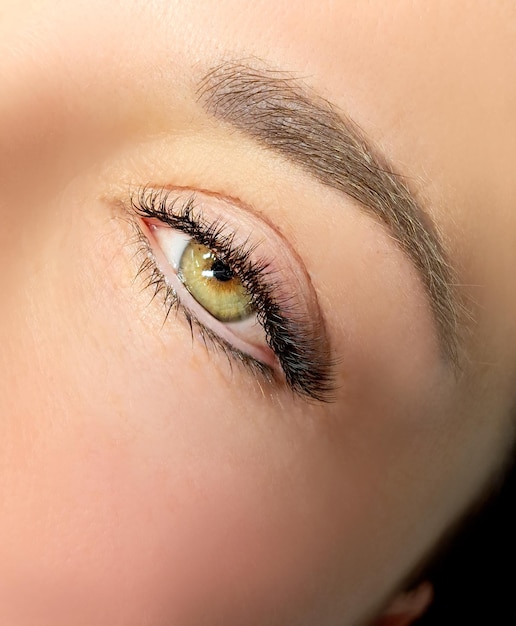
(214, 284)
(238, 283)
(209, 288)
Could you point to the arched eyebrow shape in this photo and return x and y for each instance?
(278, 112)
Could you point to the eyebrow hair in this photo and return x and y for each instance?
(280, 113)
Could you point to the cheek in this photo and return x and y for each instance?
(178, 510)
(142, 478)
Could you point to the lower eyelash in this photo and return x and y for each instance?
(155, 280)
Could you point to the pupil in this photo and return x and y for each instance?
(221, 271)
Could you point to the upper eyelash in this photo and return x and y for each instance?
(156, 204)
(305, 372)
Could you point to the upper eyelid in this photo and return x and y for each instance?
(165, 191)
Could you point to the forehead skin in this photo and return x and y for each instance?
(129, 496)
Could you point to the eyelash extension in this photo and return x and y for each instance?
(307, 369)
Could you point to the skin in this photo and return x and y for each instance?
(144, 480)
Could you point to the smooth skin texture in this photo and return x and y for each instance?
(145, 481)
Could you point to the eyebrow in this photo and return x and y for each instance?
(280, 113)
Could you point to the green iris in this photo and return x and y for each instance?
(213, 284)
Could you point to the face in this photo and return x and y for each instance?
(232, 390)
